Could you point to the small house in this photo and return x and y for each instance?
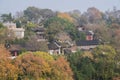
(15, 50)
(40, 33)
(89, 35)
(18, 32)
(87, 44)
(10, 25)
(54, 48)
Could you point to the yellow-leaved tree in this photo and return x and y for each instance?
(42, 66)
(8, 71)
(65, 16)
(61, 70)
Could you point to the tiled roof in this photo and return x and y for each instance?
(38, 29)
(52, 46)
(15, 47)
(89, 33)
(87, 42)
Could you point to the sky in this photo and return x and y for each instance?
(13, 6)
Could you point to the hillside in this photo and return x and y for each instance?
(42, 44)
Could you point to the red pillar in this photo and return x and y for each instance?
(15, 53)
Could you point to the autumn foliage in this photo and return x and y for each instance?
(4, 52)
(61, 70)
(33, 65)
(8, 71)
(65, 16)
(42, 66)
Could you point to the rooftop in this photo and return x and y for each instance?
(86, 42)
(52, 46)
(38, 29)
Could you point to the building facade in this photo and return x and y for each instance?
(18, 32)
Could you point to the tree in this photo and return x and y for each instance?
(6, 34)
(8, 71)
(94, 15)
(104, 57)
(86, 67)
(4, 52)
(32, 66)
(83, 20)
(2, 33)
(55, 25)
(7, 17)
(65, 16)
(47, 13)
(104, 51)
(30, 25)
(101, 31)
(61, 71)
(42, 66)
(75, 14)
(73, 59)
(32, 13)
(82, 66)
(33, 44)
(1, 25)
(37, 15)
(99, 64)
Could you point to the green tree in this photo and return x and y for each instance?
(32, 13)
(7, 17)
(55, 25)
(99, 64)
(61, 71)
(37, 15)
(33, 44)
(6, 34)
(104, 57)
(73, 59)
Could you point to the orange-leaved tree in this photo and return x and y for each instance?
(61, 70)
(42, 66)
(8, 71)
(65, 16)
(32, 66)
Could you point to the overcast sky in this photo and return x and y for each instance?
(13, 6)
